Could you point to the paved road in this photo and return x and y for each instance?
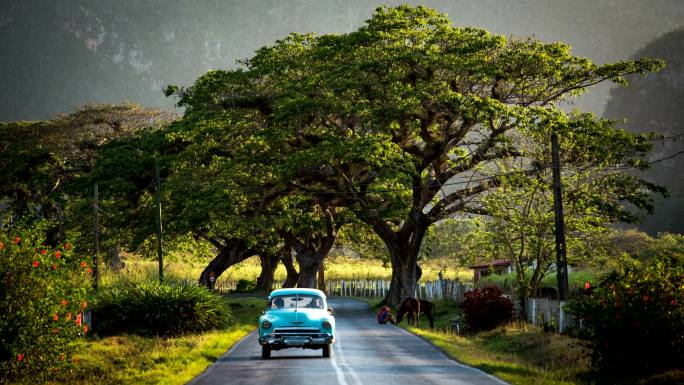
(365, 353)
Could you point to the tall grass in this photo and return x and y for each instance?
(335, 268)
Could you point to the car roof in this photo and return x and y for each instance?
(296, 290)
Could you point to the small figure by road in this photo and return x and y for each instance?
(385, 316)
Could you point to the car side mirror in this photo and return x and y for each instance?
(330, 310)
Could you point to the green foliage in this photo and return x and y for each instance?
(150, 307)
(634, 320)
(40, 159)
(486, 308)
(42, 295)
(455, 239)
(361, 239)
(245, 285)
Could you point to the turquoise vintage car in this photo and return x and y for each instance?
(296, 318)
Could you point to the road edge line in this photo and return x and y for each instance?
(448, 357)
(210, 368)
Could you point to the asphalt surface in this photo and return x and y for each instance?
(364, 353)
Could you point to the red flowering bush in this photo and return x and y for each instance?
(486, 308)
(42, 291)
(634, 321)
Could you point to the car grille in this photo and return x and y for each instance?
(296, 331)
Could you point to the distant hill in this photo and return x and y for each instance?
(656, 103)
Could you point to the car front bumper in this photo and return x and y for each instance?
(282, 341)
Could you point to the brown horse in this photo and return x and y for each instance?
(412, 307)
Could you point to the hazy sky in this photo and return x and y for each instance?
(60, 54)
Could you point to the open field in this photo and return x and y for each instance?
(335, 268)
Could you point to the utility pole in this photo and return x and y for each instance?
(60, 216)
(160, 254)
(561, 257)
(96, 230)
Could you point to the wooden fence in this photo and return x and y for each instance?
(548, 313)
(440, 289)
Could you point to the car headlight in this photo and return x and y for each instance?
(326, 324)
(266, 324)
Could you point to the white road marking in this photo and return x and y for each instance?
(340, 372)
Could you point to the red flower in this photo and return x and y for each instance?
(646, 298)
(20, 357)
(673, 302)
(55, 317)
(36, 263)
(90, 270)
(65, 302)
(85, 328)
(2, 245)
(17, 240)
(44, 252)
(78, 319)
(587, 286)
(84, 304)
(84, 264)
(58, 254)
(54, 267)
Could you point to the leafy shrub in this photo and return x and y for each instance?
(635, 319)
(486, 308)
(245, 285)
(42, 295)
(149, 307)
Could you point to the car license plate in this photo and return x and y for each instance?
(296, 341)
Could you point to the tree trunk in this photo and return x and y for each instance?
(321, 278)
(229, 255)
(404, 279)
(292, 274)
(310, 258)
(403, 246)
(269, 263)
(308, 269)
(311, 252)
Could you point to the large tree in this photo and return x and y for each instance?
(453, 101)
(404, 119)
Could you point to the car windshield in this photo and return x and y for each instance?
(292, 301)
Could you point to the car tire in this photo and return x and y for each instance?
(327, 350)
(265, 352)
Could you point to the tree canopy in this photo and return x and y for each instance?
(407, 120)
(399, 125)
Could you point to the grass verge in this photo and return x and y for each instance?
(519, 353)
(131, 359)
